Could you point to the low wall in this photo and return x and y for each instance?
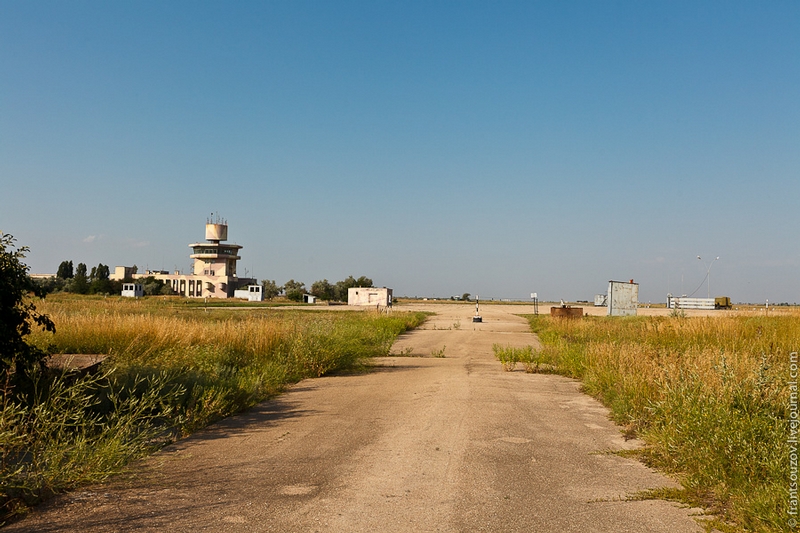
(566, 312)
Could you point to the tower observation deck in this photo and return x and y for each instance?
(215, 257)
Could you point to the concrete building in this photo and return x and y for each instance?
(132, 290)
(369, 296)
(622, 298)
(213, 272)
(251, 293)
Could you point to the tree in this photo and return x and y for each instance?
(18, 359)
(294, 290)
(270, 289)
(51, 284)
(363, 281)
(465, 296)
(65, 270)
(80, 282)
(322, 290)
(100, 279)
(342, 287)
(151, 286)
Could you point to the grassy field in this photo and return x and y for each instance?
(171, 368)
(711, 397)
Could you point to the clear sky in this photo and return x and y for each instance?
(496, 148)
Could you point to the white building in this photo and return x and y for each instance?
(132, 290)
(214, 270)
(369, 296)
(251, 293)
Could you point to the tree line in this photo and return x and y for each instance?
(80, 280)
(322, 289)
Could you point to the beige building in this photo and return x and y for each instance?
(373, 296)
(213, 272)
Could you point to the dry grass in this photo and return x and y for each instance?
(708, 395)
(171, 369)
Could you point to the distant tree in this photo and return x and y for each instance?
(294, 290)
(363, 281)
(151, 286)
(341, 288)
(18, 359)
(65, 270)
(322, 289)
(100, 282)
(51, 284)
(270, 289)
(465, 296)
(80, 281)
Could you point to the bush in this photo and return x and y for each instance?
(18, 359)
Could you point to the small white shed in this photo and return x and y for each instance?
(252, 293)
(132, 290)
(369, 296)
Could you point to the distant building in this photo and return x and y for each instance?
(214, 269)
(251, 293)
(122, 272)
(132, 290)
(622, 298)
(369, 296)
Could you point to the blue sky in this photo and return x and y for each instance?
(496, 148)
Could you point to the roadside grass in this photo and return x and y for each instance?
(170, 370)
(438, 352)
(710, 397)
(509, 356)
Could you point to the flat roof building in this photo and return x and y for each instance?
(369, 296)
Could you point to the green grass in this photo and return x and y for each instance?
(709, 396)
(509, 356)
(170, 370)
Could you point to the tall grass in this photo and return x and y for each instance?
(708, 395)
(170, 370)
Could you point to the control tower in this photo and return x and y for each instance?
(214, 257)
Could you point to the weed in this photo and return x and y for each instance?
(79, 432)
(677, 313)
(439, 352)
(405, 352)
(509, 356)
